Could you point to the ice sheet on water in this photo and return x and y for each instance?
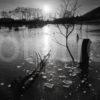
(49, 85)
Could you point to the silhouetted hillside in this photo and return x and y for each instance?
(93, 15)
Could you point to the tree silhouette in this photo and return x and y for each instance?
(67, 10)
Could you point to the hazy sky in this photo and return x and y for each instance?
(86, 5)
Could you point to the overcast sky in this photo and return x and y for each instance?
(86, 5)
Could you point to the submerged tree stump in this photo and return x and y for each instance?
(84, 59)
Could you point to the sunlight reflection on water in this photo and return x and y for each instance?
(41, 40)
(46, 39)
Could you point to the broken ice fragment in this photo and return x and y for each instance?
(73, 74)
(59, 69)
(70, 93)
(9, 85)
(68, 82)
(23, 87)
(27, 71)
(42, 73)
(49, 85)
(29, 60)
(50, 80)
(19, 66)
(1, 84)
(66, 86)
(90, 85)
(62, 76)
(44, 77)
(67, 67)
(82, 81)
(54, 66)
(96, 71)
(84, 92)
(31, 79)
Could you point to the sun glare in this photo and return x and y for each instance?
(46, 9)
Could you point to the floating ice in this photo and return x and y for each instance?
(59, 69)
(31, 79)
(90, 85)
(42, 73)
(27, 71)
(84, 92)
(66, 66)
(49, 85)
(73, 74)
(70, 93)
(19, 66)
(44, 77)
(55, 66)
(82, 81)
(51, 74)
(68, 82)
(2, 84)
(50, 80)
(62, 76)
(29, 60)
(96, 71)
(9, 85)
(23, 87)
(66, 86)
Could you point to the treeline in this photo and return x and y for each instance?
(36, 23)
(33, 18)
(20, 13)
(11, 23)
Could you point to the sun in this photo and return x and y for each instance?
(46, 9)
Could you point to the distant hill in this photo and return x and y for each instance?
(93, 15)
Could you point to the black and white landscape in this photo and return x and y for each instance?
(49, 49)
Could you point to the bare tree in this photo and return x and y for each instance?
(4, 14)
(68, 10)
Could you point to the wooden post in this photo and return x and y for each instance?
(84, 59)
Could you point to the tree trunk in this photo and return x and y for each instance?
(84, 60)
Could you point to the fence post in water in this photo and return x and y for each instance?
(84, 59)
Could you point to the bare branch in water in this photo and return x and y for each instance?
(17, 85)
